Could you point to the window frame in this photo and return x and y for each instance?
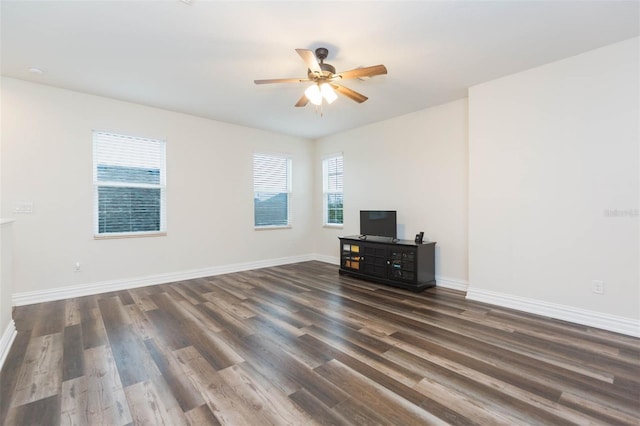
(162, 166)
(289, 191)
(327, 192)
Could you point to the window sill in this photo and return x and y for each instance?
(129, 235)
(269, 228)
(333, 225)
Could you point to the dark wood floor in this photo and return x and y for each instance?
(299, 344)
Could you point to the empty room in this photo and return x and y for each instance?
(319, 212)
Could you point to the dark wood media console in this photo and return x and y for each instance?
(400, 263)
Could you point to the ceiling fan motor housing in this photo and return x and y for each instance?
(327, 72)
(328, 68)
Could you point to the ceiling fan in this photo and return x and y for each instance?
(326, 79)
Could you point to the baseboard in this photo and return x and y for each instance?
(6, 340)
(608, 322)
(68, 292)
(451, 283)
(333, 260)
(566, 313)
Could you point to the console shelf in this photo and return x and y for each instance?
(400, 263)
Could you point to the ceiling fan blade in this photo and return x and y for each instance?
(281, 80)
(362, 72)
(310, 59)
(302, 101)
(351, 94)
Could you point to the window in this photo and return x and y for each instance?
(271, 190)
(332, 179)
(129, 185)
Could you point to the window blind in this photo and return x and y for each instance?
(129, 184)
(333, 183)
(271, 190)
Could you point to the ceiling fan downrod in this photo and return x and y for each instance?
(321, 54)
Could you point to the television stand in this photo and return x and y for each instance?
(400, 263)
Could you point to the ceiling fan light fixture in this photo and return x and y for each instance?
(313, 94)
(328, 93)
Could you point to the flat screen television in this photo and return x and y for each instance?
(380, 223)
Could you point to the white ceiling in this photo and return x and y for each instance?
(202, 58)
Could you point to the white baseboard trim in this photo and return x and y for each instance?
(567, 313)
(6, 340)
(333, 260)
(451, 283)
(608, 322)
(68, 292)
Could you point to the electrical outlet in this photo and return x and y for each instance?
(23, 207)
(597, 286)
(77, 267)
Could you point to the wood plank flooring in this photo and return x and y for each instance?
(301, 345)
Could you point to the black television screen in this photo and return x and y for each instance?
(381, 223)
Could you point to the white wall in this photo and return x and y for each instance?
(7, 326)
(47, 160)
(415, 164)
(6, 261)
(551, 151)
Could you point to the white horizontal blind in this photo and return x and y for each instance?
(333, 185)
(129, 181)
(271, 190)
